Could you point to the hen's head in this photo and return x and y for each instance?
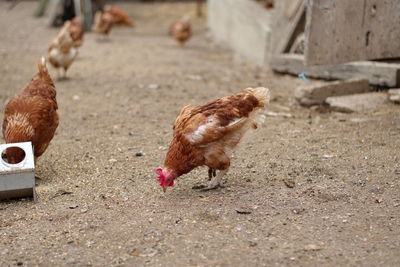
(166, 178)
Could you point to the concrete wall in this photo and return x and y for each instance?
(244, 26)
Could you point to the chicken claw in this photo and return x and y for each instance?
(215, 182)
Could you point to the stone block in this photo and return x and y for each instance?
(394, 95)
(316, 94)
(367, 102)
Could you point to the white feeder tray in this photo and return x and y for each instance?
(18, 180)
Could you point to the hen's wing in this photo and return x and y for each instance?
(183, 117)
(45, 127)
(209, 123)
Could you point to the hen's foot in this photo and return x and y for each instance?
(215, 181)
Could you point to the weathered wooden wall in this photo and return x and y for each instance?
(286, 22)
(340, 31)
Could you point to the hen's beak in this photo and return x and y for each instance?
(164, 189)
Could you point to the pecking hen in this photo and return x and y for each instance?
(31, 115)
(206, 135)
(61, 52)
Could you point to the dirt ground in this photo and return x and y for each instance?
(317, 189)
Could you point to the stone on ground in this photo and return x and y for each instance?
(394, 95)
(357, 102)
(316, 94)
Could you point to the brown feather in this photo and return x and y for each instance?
(181, 31)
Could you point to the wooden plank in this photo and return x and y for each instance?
(343, 31)
(378, 73)
(288, 15)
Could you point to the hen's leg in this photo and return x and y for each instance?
(61, 74)
(65, 74)
(216, 181)
(211, 173)
(216, 160)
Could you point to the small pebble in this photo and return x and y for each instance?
(73, 206)
(298, 210)
(252, 244)
(312, 247)
(238, 228)
(139, 154)
(71, 261)
(250, 165)
(243, 211)
(289, 182)
(153, 86)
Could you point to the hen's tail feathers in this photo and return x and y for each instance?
(261, 93)
(42, 67)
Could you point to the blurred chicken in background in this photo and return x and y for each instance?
(103, 23)
(77, 31)
(61, 52)
(181, 30)
(112, 15)
(120, 17)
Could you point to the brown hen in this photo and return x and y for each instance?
(31, 116)
(181, 31)
(76, 30)
(103, 23)
(61, 52)
(120, 17)
(206, 135)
